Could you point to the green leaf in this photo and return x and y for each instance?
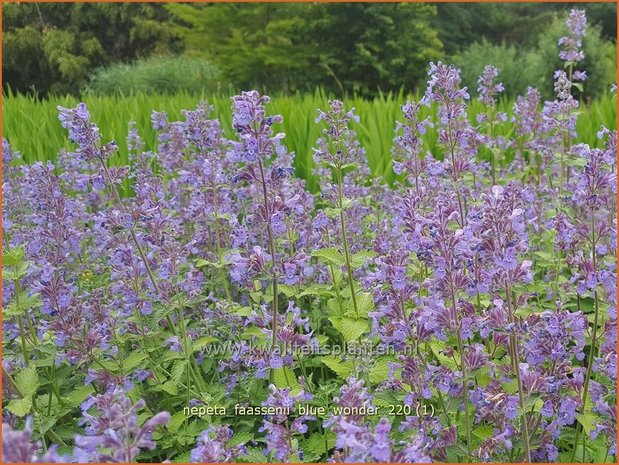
(15, 273)
(587, 420)
(483, 432)
(13, 256)
(285, 378)
(288, 291)
(78, 396)
(176, 421)
(545, 255)
(449, 362)
(365, 304)
(578, 86)
(183, 458)
(20, 407)
(347, 203)
(511, 387)
(360, 258)
(342, 369)
(253, 455)
(334, 307)
(352, 329)
(317, 445)
(330, 255)
(203, 342)
(133, 360)
(385, 399)
(178, 369)
(170, 387)
(27, 381)
(242, 437)
(380, 371)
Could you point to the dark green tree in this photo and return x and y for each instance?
(366, 47)
(253, 44)
(517, 24)
(53, 47)
(342, 47)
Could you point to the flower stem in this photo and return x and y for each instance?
(594, 337)
(274, 303)
(513, 342)
(340, 199)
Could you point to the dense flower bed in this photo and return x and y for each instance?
(201, 305)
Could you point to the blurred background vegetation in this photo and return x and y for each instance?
(341, 48)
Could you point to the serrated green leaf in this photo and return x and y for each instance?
(483, 432)
(20, 407)
(587, 420)
(27, 380)
(78, 396)
(133, 360)
(545, 255)
(360, 258)
(253, 455)
(319, 444)
(511, 387)
(449, 362)
(15, 273)
(330, 255)
(178, 370)
(288, 291)
(183, 458)
(170, 387)
(240, 438)
(385, 399)
(380, 371)
(352, 329)
(342, 369)
(347, 203)
(334, 307)
(203, 342)
(285, 378)
(482, 377)
(365, 304)
(176, 422)
(13, 256)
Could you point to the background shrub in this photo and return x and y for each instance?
(159, 74)
(522, 66)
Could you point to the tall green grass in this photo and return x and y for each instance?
(32, 126)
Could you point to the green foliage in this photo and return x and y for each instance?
(521, 66)
(292, 47)
(520, 24)
(159, 74)
(600, 58)
(343, 48)
(53, 47)
(27, 383)
(518, 66)
(253, 44)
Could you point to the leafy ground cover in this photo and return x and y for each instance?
(195, 300)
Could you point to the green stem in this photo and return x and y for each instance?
(516, 367)
(465, 385)
(224, 278)
(345, 239)
(273, 257)
(465, 393)
(594, 337)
